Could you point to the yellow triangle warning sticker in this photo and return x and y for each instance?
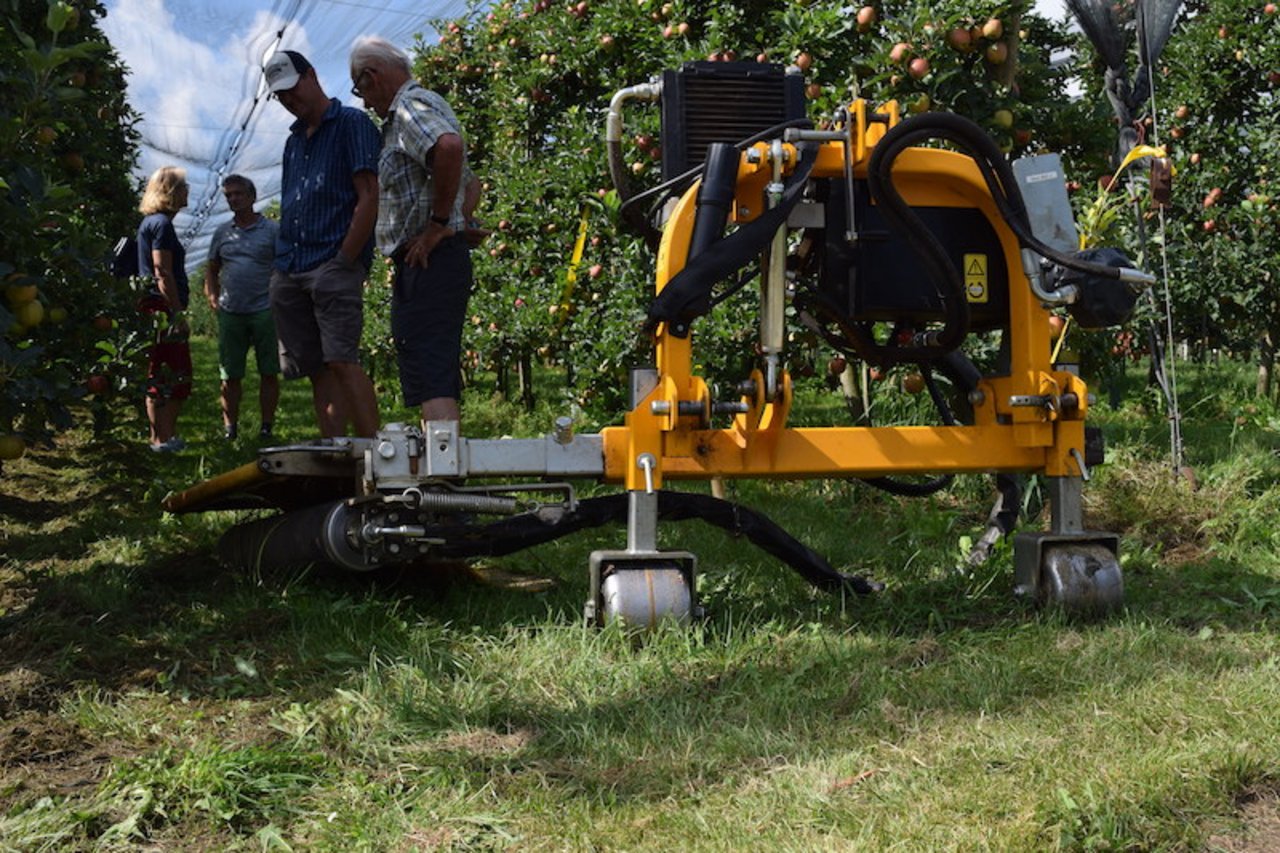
(975, 278)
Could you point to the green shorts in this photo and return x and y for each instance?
(236, 333)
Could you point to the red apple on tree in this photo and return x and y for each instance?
(866, 17)
(918, 68)
(960, 39)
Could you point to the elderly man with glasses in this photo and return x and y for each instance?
(425, 197)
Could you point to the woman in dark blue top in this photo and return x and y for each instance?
(162, 258)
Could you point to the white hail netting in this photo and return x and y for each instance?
(195, 77)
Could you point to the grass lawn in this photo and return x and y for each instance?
(151, 700)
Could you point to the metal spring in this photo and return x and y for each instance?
(443, 501)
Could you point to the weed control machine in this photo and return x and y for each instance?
(893, 252)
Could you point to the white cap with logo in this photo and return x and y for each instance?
(284, 69)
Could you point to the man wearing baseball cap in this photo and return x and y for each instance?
(328, 206)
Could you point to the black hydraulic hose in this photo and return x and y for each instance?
(513, 534)
(686, 177)
(932, 254)
(995, 170)
(715, 197)
(688, 294)
(296, 538)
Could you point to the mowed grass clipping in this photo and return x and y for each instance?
(153, 700)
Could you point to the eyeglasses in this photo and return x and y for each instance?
(355, 85)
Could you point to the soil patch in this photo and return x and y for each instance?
(1260, 833)
(42, 755)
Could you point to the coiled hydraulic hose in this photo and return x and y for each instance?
(996, 172)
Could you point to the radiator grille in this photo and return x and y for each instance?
(706, 102)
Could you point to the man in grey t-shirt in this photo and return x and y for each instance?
(236, 281)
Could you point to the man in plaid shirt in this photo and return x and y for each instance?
(422, 182)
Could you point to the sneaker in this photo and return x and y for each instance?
(173, 445)
(265, 432)
(231, 432)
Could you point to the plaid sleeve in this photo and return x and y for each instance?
(422, 126)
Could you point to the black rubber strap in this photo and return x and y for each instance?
(687, 295)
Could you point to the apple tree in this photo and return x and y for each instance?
(1218, 88)
(66, 144)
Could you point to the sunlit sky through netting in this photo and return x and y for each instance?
(195, 77)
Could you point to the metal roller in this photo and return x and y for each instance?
(318, 534)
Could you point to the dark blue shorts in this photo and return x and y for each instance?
(428, 308)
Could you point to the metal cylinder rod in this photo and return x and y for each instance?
(773, 280)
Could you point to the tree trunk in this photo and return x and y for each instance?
(525, 365)
(856, 400)
(1266, 361)
(504, 384)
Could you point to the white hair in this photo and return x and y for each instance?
(379, 51)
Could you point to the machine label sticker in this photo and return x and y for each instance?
(975, 277)
(1041, 178)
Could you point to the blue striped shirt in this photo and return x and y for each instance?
(317, 191)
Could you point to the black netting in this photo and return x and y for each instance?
(196, 79)
(1114, 30)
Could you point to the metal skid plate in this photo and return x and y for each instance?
(1079, 572)
(640, 589)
